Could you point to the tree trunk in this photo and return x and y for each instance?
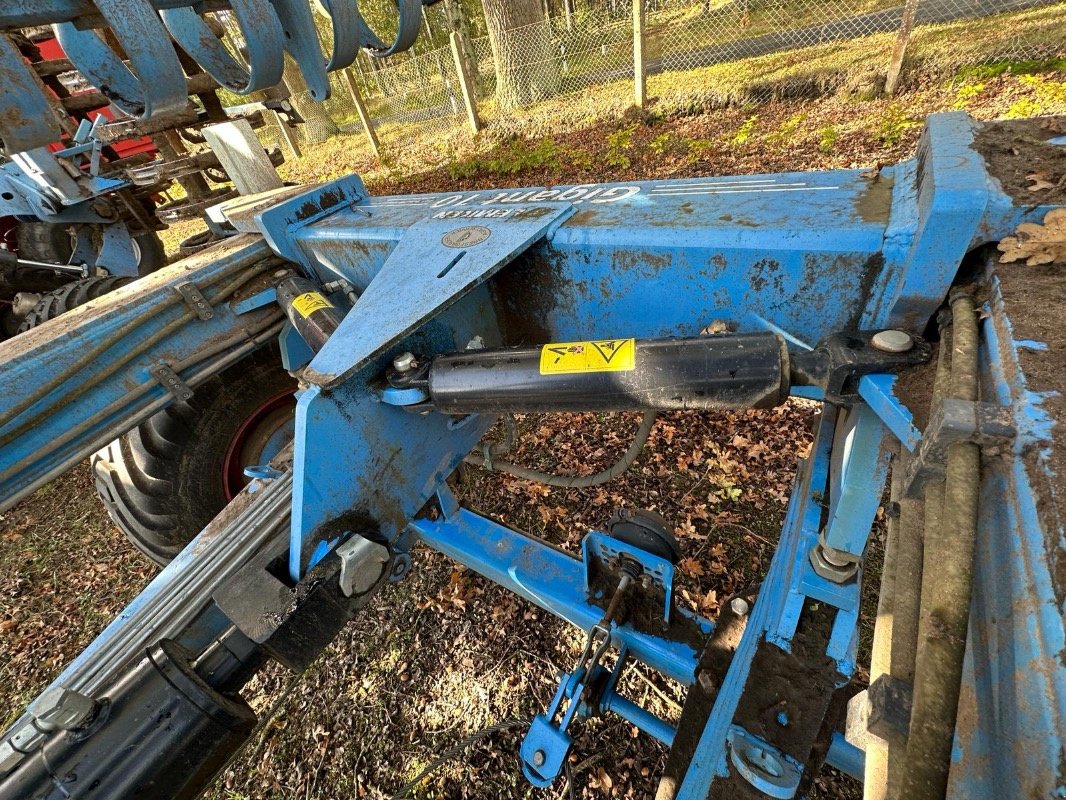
(318, 124)
(526, 68)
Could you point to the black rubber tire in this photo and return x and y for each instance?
(153, 253)
(43, 241)
(162, 481)
(70, 296)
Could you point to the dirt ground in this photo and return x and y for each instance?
(444, 654)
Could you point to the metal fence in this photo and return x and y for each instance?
(744, 50)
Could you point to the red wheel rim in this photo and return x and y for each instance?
(255, 432)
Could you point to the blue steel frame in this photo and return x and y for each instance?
(666, 258)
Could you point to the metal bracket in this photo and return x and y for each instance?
(772, 772)
(362, 563)
(171, 381)
(840, 360)
(600, 555)
(954, 422)
(195, 300)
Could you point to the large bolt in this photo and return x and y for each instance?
(404, 362)
(740, 606)
(892, 341)
(539, 758)
(828, 563)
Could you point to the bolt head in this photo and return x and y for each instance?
(404, 362)
(892, 341)
(539, 758)
(739, 606)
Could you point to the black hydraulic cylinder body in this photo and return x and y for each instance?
(310, 312)
(159, 732)
(730, 371)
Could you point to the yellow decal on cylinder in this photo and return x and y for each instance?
(604, 355)
(309, 302)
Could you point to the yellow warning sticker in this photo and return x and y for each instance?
(604, 355)
(309, 302)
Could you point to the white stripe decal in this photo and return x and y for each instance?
(747, 191)
(741, 182)
(711, 188)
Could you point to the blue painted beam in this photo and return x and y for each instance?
(549, 578)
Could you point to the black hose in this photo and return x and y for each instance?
(574, 481)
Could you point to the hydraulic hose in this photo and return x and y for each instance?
(255, 339)
(948, 585)
(117, 364)
(907, 579)
(573, 481)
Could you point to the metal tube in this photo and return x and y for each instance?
(948, 587)
(736, 371)
(108, 433)
(646, 721)
(549, 577)
(846, 757)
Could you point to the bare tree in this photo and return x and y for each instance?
(526, 69)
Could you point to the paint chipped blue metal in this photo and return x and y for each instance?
(548, 577)
(879, 392)
(437, 262)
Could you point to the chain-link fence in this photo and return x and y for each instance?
(548, 59)
(838, 39)
(743, 50)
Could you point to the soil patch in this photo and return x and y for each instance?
(1017, 149)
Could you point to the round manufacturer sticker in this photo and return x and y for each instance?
(466, 237)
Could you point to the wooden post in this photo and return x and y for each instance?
(466, 83)
(241, 155)
(640, 93)
(364, 117)
(286, 134)
(896, 65)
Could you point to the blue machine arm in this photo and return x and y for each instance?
(827, 284)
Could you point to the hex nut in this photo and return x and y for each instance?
(824, 568)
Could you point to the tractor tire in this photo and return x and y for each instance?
(166, 479)
(151, 254)
(42, 241)
(69, 296)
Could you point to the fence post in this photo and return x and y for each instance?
(896, 65)
(364, 117)
(465, 83)
(286, 134)
(640, 94)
